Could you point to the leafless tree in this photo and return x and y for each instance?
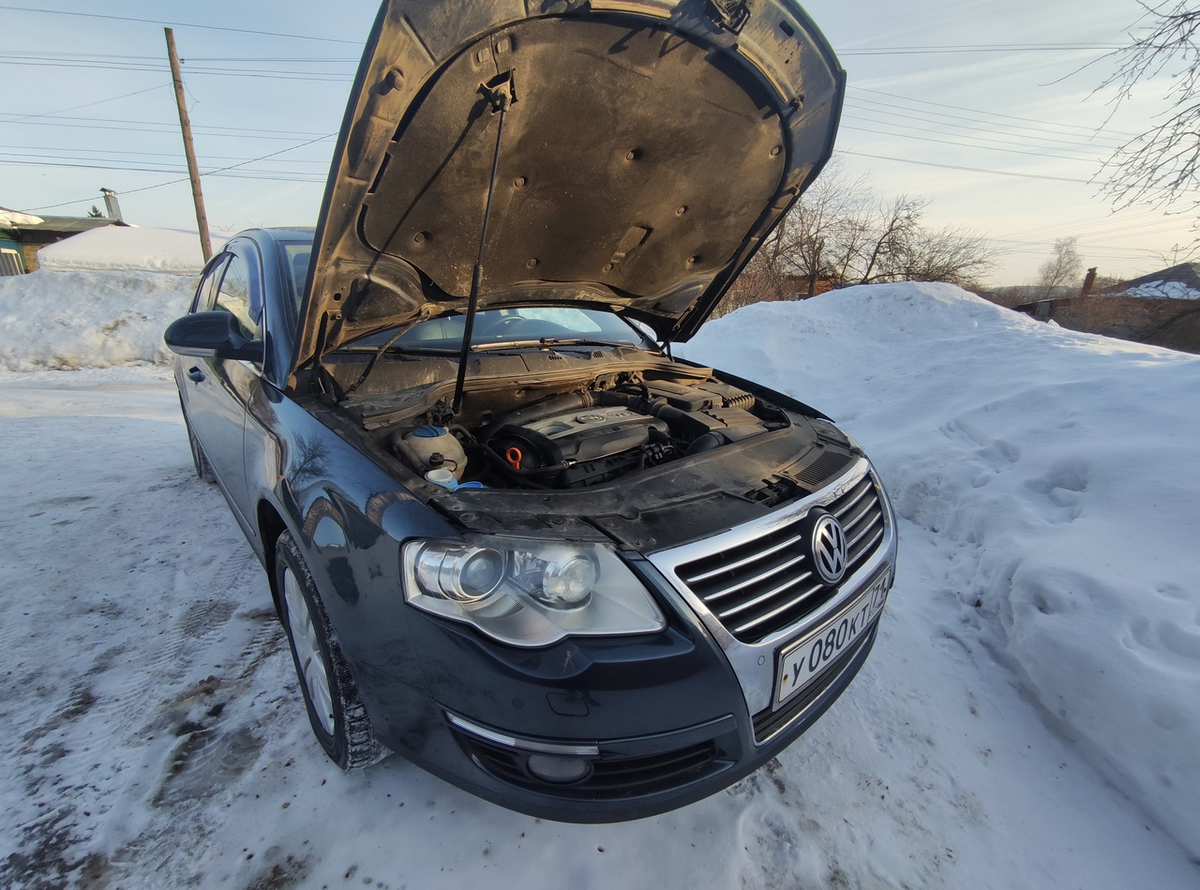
(953, 255)
(1061, 269)
(842, 232)
(1161, 167)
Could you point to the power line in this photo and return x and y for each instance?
(1012, 117)
(123, 18)
(22, 117)
(98, 154)
(1015, 151)
(862, 154)
(1024, 132)
(281, 176)
(269, 75)
(155, 127)
(977, 48)
(73, 57)
(222, 171)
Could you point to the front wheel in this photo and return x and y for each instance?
(339, 719)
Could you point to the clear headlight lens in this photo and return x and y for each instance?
(528, 593)
(466, 575)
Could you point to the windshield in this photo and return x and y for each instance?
(558, 326)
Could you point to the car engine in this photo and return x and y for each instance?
(591, 436)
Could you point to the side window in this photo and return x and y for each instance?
(234, 295)
(297, 261)
(207, 291)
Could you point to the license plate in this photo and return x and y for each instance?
(802, 661)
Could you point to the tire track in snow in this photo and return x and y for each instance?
(153, 637)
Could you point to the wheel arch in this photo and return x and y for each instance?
(270, 526)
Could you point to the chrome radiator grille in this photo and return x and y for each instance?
(766, 584)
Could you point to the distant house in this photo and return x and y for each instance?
(1181, 282)
(32, 237)
(11, 260)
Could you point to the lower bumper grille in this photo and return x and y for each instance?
(609, 778)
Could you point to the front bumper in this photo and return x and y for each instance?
(629, 778)
(636, 726)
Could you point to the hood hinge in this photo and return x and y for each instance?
(729, 15)
(329, 390)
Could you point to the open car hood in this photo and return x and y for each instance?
(647, 148)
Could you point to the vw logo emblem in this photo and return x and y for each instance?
(829, 548)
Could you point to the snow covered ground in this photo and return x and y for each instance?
(1028, 717)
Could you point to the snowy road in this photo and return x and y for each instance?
(157, 738)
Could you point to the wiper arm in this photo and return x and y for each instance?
(505, 344)
(392, 345)
(581, 341)
(545, 342)
(401, 349)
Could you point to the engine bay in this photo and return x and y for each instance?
(583, 437)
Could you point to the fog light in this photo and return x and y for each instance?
(559, 770)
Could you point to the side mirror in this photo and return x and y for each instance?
(212, 335)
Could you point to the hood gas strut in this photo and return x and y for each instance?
(499, 94)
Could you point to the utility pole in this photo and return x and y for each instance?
(186, 126)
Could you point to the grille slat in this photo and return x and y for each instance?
(853, 537)
(852, 545)
(754, 579)
(763, 597)
(855, 514)
(731, 581)
(792, 604)
(746, 560)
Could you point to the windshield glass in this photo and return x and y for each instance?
(519, 327)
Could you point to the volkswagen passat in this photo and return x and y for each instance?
(508, 534)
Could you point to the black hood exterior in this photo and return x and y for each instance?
(648, 148)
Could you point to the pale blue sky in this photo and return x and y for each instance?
(1003, 89)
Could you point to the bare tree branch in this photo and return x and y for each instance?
(1161, 167)
(842, 232)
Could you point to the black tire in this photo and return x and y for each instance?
(337, 715)
(204, 471)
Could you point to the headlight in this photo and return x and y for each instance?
(528, 593)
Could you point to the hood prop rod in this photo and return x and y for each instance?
(498, 93)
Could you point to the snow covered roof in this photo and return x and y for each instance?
(9, 218)
(128, 248)
(1179, 282)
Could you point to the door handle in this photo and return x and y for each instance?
(195, 374)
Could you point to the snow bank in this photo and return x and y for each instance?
(75, 319)
(176, 251)
(1058, 469)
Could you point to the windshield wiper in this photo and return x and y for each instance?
(583, 341)
(390, 346)
(546, 343)
(401, 348)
